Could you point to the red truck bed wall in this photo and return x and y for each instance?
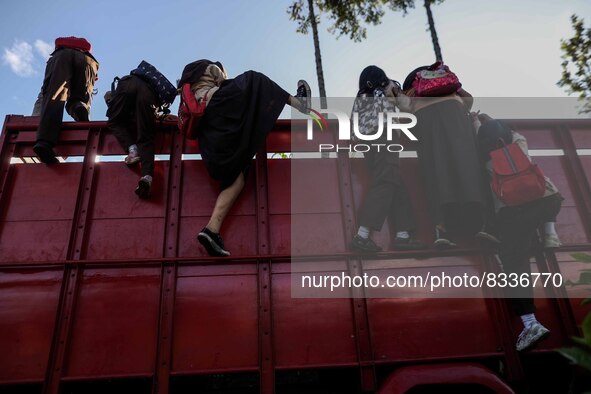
(95, 283)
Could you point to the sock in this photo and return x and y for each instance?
(363, 232)
(549, 228)
(528, 320)
(403, 234)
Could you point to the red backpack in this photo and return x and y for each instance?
(437, 80)
(515, 179)
(190, 112)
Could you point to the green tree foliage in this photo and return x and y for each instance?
(348, 16)
(576, 65)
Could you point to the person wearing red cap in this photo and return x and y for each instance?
(69, 79)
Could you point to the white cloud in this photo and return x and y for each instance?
(43, 48)
(20, 58)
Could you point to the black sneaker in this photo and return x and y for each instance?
(45, 152)
(442, 240)
(364, 245)
(143, 187)
(304, 94)
(408, 244)
(212, 242)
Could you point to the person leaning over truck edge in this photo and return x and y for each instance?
(239, 114)
(69, 79)
(387, 195)
(448, 160)
(133, 107)
(551, 238)
(517, 227)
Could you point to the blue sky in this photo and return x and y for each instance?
(498, 48)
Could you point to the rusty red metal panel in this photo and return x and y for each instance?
(38, 211)
(581, 136)
(265, 307)
(417, 328)
(161, 379)
(215, 321)
(586, 162)
(50, 241)
(279, 189)
(29, 192)
(220, 309)
(72, 273)
(28, 303)
(122, 238)
(311, 332)
(571, 223)
(111, 302)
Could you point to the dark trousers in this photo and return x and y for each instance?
(132, 118)
(387, 196)
(517, 227)
(69, 79)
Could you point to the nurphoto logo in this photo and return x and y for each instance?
(358, 141)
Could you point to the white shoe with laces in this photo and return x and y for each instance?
(531, 335)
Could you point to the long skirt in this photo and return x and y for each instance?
(451, 170)
(236, 122)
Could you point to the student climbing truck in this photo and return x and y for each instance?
(101, 292)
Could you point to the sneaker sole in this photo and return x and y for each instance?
(45, 155)
(535, 340)
(143, 190)
(552, 246)
(308, 92)
(444, 244)
(211, 246)
(488, 238)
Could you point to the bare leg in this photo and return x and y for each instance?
(224, 203)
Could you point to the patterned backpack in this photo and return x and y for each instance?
(165, 90)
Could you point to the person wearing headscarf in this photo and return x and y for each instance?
(448, 162)
(239, 114)
(386, 196)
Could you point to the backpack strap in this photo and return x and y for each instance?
(114, 84)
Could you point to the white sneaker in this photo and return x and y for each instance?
(133, 156)
(552, 241)
(531, 335)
